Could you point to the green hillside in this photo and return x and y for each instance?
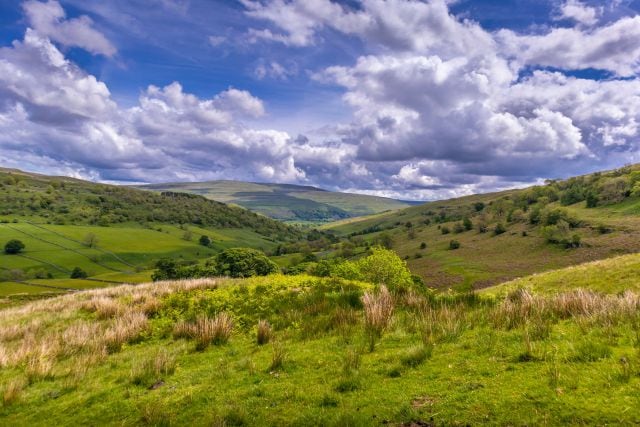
(512, 233)
(613, 275)
(285, 202)
(299, 350)
(114, 234)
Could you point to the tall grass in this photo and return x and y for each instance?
(206, 331)
(378, 311)
(263, 333)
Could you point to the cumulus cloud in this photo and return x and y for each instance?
(443, 91)
(440, 106)
(52, 113)
(49, 19)
(579, 12)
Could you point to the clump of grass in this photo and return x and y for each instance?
(103, 306)
(442, 324)
(38, 367)
(124, 329)
(416, 356)
(13, 391)
(347, 384)
(351, 361)
(591, 351)
(328, 401)
(153, 368)
(263, 334)
(378, 311)
(625, 369)
(278, 357)
(206, 331)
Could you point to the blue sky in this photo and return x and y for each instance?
(402, 98)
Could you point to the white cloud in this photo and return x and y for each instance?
(579, 12)
(49, 19)
(51, 112)
(216, 41)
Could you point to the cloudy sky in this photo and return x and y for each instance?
(410, 99)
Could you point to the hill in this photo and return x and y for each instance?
(286, 202)
(612, 275)
(510, 234)
(115, 234)
(299, 350)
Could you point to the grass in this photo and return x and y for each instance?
(611, 275)
(110, 356)
(125, 254)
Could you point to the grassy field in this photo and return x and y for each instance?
(180, 353)
(124, 253)
(290, 203)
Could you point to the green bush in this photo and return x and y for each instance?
(244, 262)
(454, 244)
(13, 247)
(79, 273)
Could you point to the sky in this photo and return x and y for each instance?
(416, 100)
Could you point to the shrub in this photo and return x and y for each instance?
(423, 245)
(500, 229)
(79, 273)
(445, 230)
(263, 334)
(204, 240)
(468, 225)
(13, 247)
(384, 266)
(244, 262)
(378, 311)
(454, 244)
(458, 228)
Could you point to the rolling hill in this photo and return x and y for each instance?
(510, 234)
(296, 350)
(286, 202)
(115, 234)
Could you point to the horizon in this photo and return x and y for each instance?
(415, 101)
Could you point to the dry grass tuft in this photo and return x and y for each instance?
(263, 335)
(206, 331)
(124, 329)
(12, 391)
(378, 311)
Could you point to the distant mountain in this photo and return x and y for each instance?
(286, 202)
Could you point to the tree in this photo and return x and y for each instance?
(79, 273)
(244, 262)
(384, 266)
(204, 240)
(90, 240)
(13, 247)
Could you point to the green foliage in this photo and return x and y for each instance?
(13, 247)
(454, 244)
(468, 224)
(500, 229)
(244, 262)
(204, 240)
(78, 273)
